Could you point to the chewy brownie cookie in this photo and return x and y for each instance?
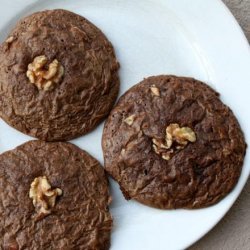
(58, 76)
(171, 143)
(53, 196)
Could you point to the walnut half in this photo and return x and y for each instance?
(181, 135)
(43, 196)
(176, 139)
(44, 78)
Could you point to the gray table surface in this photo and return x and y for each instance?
(233, 232)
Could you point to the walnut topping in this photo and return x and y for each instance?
(123, 151)
(166, 156)
(176, 139)
(44, 78)
(180, 135)
(43, 196)
(129, 120)
(9, 39)
(159, 144)
(155, 90)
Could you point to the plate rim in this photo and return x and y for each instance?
(244, 41)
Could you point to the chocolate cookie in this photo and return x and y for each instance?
(53, 196)
(58, 76)
(171, 143)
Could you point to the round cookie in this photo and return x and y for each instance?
(72, 213)
(171, 143)
(58, 76)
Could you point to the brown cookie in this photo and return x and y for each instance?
(171, 143)
(58, 76)
(53, 196)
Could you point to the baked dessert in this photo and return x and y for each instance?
(58, 76)
(53, 196)
(171, 143)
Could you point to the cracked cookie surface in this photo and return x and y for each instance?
(63, 182)
(205, 155)
(73, 85)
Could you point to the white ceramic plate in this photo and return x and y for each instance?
(197, 38)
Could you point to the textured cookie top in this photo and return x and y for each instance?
(58, 76)
(170, 143)
(53, 196)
